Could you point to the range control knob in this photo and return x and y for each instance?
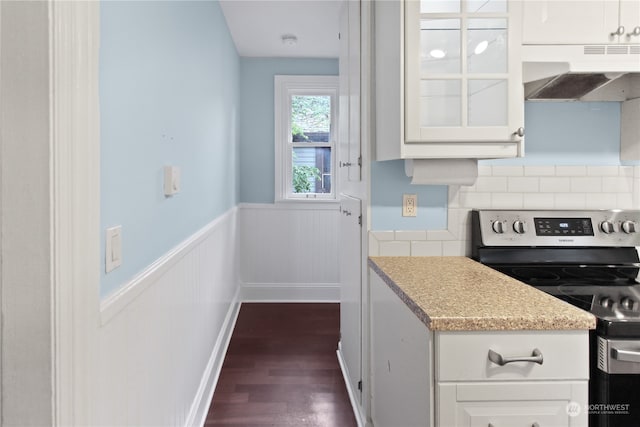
(627, 303)
(520, 227)
(607, 227)
(629, 227)
(606, 302)
(498, 227)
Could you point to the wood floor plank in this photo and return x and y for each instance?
(281, 369)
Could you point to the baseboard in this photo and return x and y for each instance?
(200, 406)
(290, 292)
(357, 409)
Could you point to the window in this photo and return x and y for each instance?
(306, 114)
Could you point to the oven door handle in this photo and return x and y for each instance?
(498, 359)
(625, 355)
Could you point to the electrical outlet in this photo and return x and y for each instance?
(409, 204)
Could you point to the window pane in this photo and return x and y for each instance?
(488, 92)
(440, 46)
(311, 172)
(440, 103)
(487, 46)
(310, 118)
(439, 6)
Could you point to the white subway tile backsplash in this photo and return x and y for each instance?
(477, 200)
(411, 235)
(454, 248)
(602, 201)
(485, 170)
(571, 201)
(539, 170)
(523, 184)
(384, 235)
(516, 187)
(571, 170)
(393, 248)
(586, 185)
(491, 184)
(555, 185)
(508, 171)
(433, 235)
(617, 184)
(426, 248)
(625, 201)
(538, 201)
(603, 170)
(506, 200)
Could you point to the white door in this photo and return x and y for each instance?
(351, 291)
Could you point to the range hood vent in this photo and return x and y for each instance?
(573, 72)
(571, 85)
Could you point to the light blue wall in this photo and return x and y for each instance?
(169, 95)
(388, 183)
(570, 133)
(557, 133)
(257, 119)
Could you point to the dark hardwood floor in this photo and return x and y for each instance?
(281, 369)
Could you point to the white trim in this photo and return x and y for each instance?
(357, 409)
(284, 87)
(127, 293)
(74, 33)
(290, 292)
(325, 205)
(200, 407)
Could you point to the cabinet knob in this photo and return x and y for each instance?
(635, 32)
(618, 32)
(519, 132)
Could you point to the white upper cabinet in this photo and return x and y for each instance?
(448, 79)
(572, 22)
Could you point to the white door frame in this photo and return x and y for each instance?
(62, 43)
(75, 195)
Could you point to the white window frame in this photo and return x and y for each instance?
(285, 88)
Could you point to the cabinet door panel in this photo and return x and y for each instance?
(351, 290)
(516, 404)
(569, 22)
(630, 19)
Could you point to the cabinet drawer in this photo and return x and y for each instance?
(464, 356)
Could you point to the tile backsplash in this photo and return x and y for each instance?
(515, 187)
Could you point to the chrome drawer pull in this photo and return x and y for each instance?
(498, 359)
(625, 355)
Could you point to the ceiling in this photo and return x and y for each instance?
(257, 27)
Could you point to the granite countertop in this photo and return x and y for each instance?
(460, 294)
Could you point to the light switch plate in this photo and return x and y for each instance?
(113, 248)
(171, 180)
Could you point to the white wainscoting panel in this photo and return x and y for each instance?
(162, 340)
(289, 252)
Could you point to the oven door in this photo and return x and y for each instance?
(615, 391)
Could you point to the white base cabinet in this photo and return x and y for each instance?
(447, 379)
(401, 383)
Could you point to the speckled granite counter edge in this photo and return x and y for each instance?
(487, 323)
(415, 308)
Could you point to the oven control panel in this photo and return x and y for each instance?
(557, 228)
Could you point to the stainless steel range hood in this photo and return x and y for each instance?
(581, 72)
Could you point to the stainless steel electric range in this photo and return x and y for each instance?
(590, 260)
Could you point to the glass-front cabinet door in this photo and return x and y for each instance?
(463, 75)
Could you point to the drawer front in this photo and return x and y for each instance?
(464, 356)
